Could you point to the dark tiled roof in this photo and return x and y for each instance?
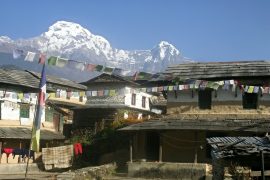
(25, 133)
(213, 70)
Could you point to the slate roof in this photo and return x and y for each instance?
(238, 146)
(60, 81)
(202, 124)
(28, 81)
(223, 70)
(25, 133)
(18, 79)
(109, 78)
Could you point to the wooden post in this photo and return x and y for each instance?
(160, 148)
(130, 149)
(262, 168)
(19, 158)
(196, 148)
(1, 144)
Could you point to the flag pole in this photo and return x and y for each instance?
(40, 105)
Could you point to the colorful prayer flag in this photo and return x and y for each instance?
(112, 93)
(90, 67)
(17, 53)
(39, 112)
(108, 70)
(61, 62)
(30, 56)
(42, 59)
(52, 60)
(98, 68)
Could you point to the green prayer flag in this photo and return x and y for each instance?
(61, 62)
(108, 70)
(98, 68)
(52, 60)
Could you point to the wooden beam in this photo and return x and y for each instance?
(160, 148)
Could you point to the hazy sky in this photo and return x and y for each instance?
(208, 30)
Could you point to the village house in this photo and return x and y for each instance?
(110, 97)
(204, 100)
(18, 98)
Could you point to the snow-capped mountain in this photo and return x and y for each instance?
(72, 41)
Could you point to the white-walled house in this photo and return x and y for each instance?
(107, 94)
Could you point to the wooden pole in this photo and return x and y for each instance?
(262, 168)
(130, 149)
(160, 148)
(1, 145)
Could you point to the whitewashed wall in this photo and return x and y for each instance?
(222, 95)
(139, 95)
(10, 110)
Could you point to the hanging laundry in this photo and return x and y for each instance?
(52, 60)
(57, 157)
(17, 53)
(78, 149)
(30, 56)
(7, 151)
(61, 62)
(42, 59)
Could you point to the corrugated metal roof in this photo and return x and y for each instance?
(220, 70)
(235, 146)
(25, 133)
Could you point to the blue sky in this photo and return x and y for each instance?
(209, 30)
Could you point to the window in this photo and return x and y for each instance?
(250, 100)
(205, 99)
(133, 99)
(143, 101)
(24, 110)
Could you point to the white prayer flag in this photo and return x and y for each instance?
(30, 56)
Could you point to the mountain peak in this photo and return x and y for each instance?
(163, 49)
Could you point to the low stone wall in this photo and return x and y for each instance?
(19, 168)
(168, 170)
(97, 172)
